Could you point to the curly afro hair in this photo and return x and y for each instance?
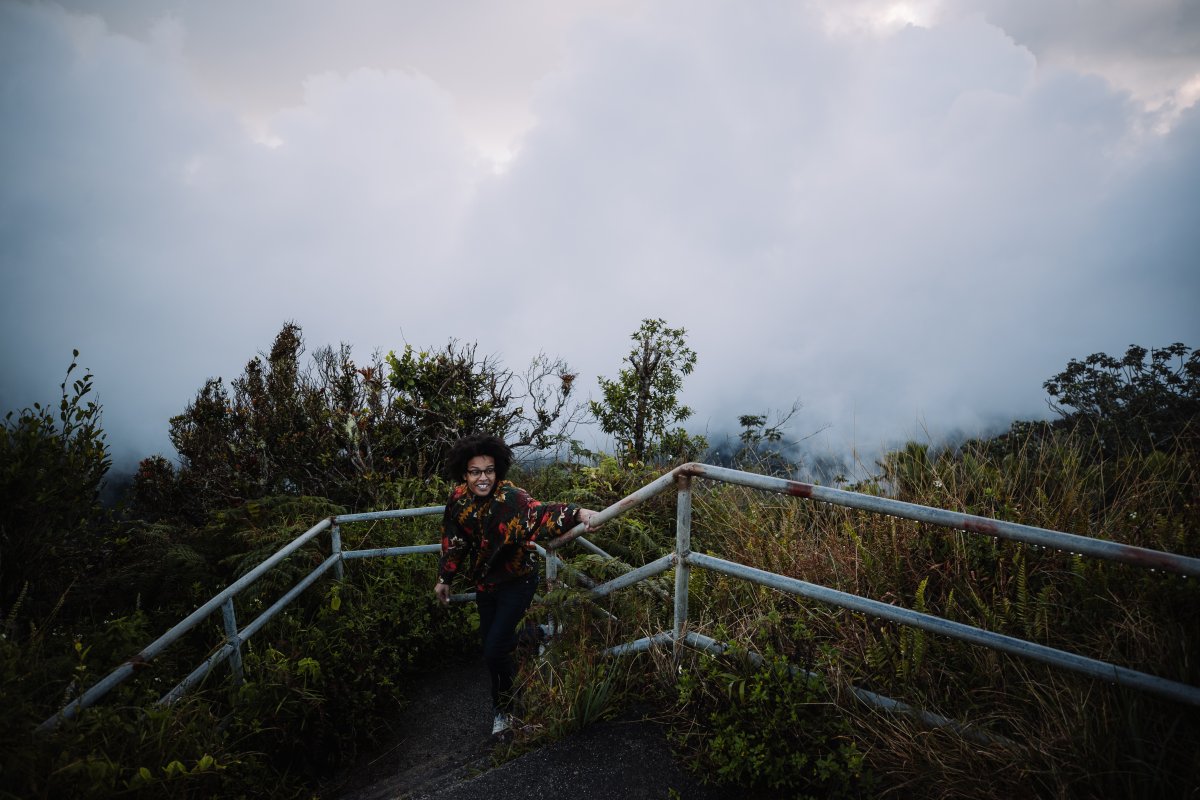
(478, 444)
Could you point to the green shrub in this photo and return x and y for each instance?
(51, 466)
(324, 682)
(769, 727)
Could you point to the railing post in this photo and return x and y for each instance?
(683, 548)
(231, 633)
(335, 536)
(551, 578)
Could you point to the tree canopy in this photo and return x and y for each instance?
(1146, 399)
(643, 402)
(335, 429)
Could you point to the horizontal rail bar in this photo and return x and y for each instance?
(245, 633)
(1055, 540)
(262, 619)
(385, 552)
(222, 653)
(642, 645)
(655, 567)
(187, 623)
(655, 487)
(1122, 676)
(579, 540)
(399, 513)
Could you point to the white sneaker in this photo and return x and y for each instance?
(501, 723)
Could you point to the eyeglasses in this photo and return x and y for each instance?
(475, 473)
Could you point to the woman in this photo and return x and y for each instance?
(487, 535)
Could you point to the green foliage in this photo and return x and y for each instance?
(153, 753)
(769, 727)
(643, 534)
(1133, 401)
(348, 433)
(127, 748)
(1081, 735)
(51, 466)
(289, 444)
(323, 680)
(442, 395)
(333, 674)
(642, 404)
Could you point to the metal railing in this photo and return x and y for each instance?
(683, 559)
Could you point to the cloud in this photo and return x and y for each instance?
(1149, 48)
(145, 227)
(907, 226)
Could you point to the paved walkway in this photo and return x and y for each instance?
(444, 746)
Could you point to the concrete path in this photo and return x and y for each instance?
(443, 751)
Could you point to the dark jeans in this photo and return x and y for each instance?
(500, 611)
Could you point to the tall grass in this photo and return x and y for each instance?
(1053, 733)
(1073, 736)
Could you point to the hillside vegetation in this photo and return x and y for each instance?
(83, 587)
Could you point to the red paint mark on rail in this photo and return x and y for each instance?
(797, 489)
(984, 526)
(1152, 559)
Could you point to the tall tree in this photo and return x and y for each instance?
(642, 403)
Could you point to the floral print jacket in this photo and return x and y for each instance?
(487, 540)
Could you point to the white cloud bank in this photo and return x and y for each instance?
(904, 226)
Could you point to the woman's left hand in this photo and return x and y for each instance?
(586, 515)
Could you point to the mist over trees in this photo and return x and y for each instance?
(354, 434)
(293, 439)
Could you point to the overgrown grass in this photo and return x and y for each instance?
(1077, 736)
(322, 680)
(1067, 735)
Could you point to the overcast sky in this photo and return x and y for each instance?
(905, 215)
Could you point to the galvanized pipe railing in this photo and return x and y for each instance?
(151, 650)
(1042, 537)
(683, 559)
(1091, 667)
(223, 601)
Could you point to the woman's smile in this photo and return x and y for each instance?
(481, 475)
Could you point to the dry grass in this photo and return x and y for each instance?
(1077, 737)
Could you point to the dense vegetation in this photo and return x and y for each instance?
(82, 588)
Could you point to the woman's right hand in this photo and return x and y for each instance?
(442, 590)
(586, 516)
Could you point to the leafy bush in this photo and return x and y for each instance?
(1131, 401)
(51, 466)
(769, 727)
(326, 682)
(349, 433)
